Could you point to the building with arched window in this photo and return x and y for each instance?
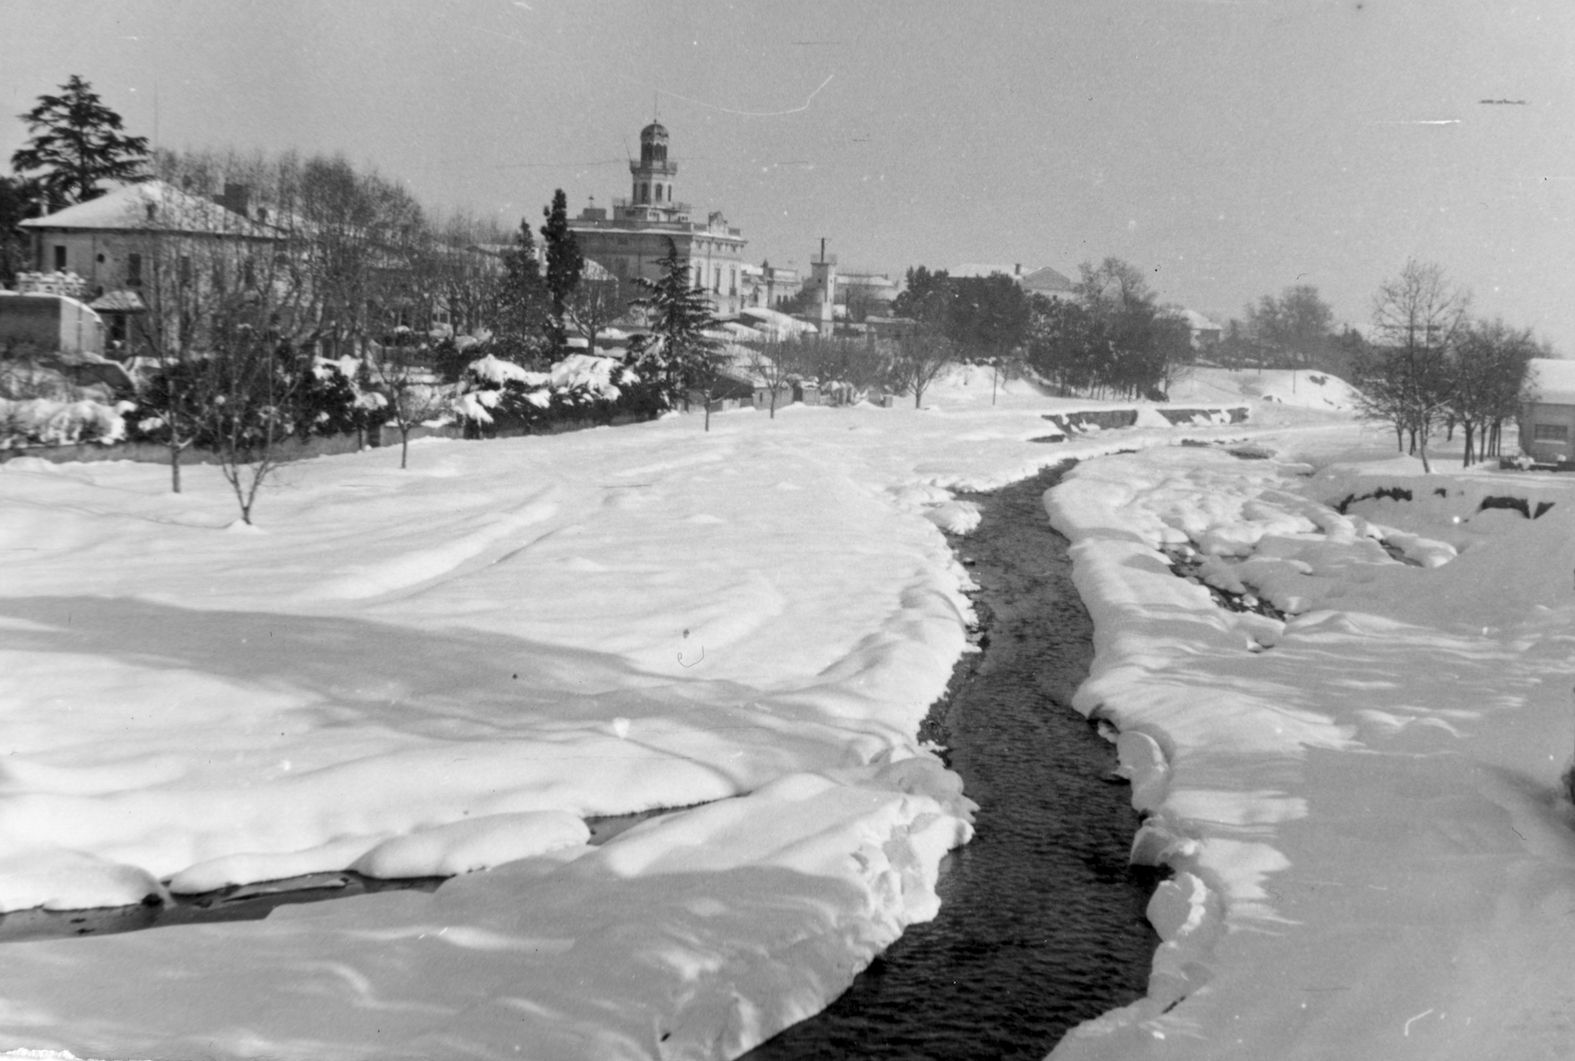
(629, 242)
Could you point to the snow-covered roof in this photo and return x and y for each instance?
(1552, 380)
(743, 332)
(776, 324)
(1198, 322)
(1045, 279)
(978, 270)
(150, 206)
(119, 302)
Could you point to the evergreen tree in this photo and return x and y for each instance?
(919, 287)
(678, 314)
(565, 263)
(77, 143)
(523, 303)
(18, 202)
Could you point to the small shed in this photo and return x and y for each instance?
(763, 396)
(50, 323)
(1547, 416)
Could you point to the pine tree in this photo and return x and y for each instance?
(78, 144)
(678, 315)
(523, 302)
(565, 263)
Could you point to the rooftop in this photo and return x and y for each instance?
(147, 207)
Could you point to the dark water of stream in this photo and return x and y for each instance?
(1042, 920)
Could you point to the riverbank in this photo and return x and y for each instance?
(1359, 793)
(1042, 920)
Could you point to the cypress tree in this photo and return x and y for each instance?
(565, 263)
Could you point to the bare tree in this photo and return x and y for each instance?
(1490, 368)
(592, 306)
(411, 395)
(245, 414)
(774, 364)
(468, 265)
(921, 356)
(193, 262)
(1420, 309)
(1407, 380)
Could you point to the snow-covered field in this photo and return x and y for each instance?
(450, 668)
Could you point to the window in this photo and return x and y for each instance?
(1550, 432)
(133, 270)
(60, 258)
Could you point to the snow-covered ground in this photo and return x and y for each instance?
(449, 668)
(1361, 802)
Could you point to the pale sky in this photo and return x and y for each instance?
(1229, 147)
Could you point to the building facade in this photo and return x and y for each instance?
(1547, 416)
(135, 245)
(630, 241)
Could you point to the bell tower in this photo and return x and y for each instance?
(653, 173)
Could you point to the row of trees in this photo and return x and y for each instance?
(1111, 338)
(1431, 365)
(1294, 329)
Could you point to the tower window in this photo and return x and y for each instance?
(658, 193)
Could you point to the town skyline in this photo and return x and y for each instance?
(1228, 150)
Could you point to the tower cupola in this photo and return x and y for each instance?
(653, 173)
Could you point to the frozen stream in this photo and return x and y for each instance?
(1042, 921)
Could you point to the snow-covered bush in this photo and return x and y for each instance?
(44, 422)
(321, 399)
(500, 396)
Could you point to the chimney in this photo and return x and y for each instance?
(1017, 270)
(237, 197)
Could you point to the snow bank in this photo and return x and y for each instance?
(1359, 800)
